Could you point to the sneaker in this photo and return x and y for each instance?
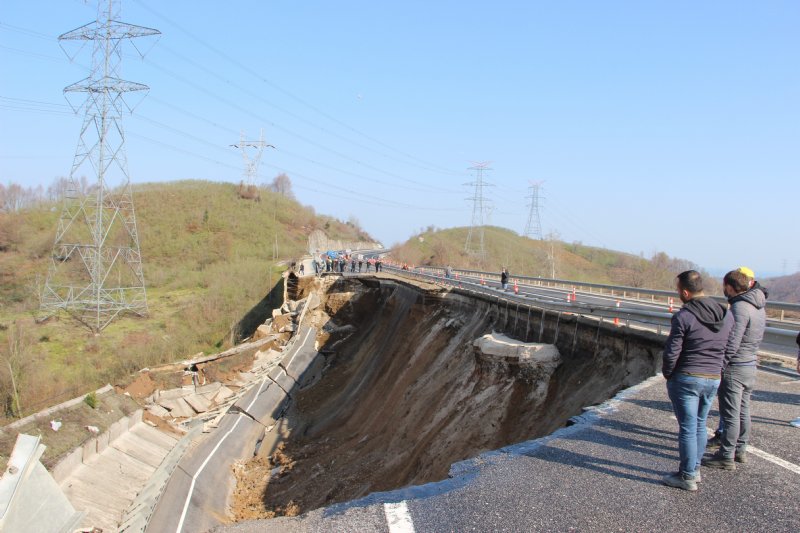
(718, 461)
(795, 423)
(697, 477)
(740, 457)
(679, 481)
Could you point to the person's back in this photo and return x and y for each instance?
(696, 343)
(750, 317)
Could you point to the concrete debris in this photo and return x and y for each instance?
(198, 402)
(55, 425)
(209, 389)
(288, 328)
(313, 301)
(500, 346)
(276, 313)
(177, 408)
(93, 429)
(262, 331)
(223, 394)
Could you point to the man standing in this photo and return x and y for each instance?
(504, 279)
(739, 369)
(692, 361)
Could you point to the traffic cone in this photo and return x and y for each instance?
(573, 294)
(671, 301)
(516, 287)
(616, 318)
(483, 282)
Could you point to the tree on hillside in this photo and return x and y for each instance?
(282, 185)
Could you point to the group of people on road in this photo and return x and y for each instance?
(344, 262)
(712, 350)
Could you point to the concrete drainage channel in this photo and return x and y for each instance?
(411, 379)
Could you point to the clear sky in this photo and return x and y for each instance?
(655, 126)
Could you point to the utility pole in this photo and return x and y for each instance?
(95, 271)
(533, 229)
(479, 207)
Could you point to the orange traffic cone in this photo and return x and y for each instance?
(573, 294)
(616, 318)
(516, 287)
(670, 304)
(483, 282)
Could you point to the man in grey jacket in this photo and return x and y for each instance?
(739, 370)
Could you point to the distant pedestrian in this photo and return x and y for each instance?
(353, 265)
(360, 263)
(691, 363)
(504, 279)
(448, 272)
(302, 268)
(739, 369)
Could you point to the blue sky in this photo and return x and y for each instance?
(655, 126)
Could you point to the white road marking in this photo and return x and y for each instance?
(210, 455)
(398, 518)
(773, 459)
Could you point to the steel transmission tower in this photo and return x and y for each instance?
(533, 229)
(96, 268)
(251, 165)
(479, 206)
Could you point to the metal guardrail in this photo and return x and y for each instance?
(661, 320)
(621, 289)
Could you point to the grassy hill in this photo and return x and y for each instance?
(209, 258)
(524, 256)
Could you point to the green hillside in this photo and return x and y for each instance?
(209, 258)
(528, 257)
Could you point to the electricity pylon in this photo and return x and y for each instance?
(533, 229)
(251, 164)
(479, 206)
(96, 271)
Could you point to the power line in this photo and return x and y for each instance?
(261, 78)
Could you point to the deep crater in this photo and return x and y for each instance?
(404, 390)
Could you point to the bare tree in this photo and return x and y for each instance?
(282, 185)
(13, 360)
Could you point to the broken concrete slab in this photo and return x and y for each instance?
(157, 410)
(262, 331)
(222, 394)
(498, 345)
(284, 381)
(177, 408)
(198, 402)
(210, 388)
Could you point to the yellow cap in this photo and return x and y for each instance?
(747, 272)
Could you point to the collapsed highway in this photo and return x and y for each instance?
(411, 378)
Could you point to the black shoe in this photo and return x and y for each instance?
(718, 461)
(714, 442)
(740, 457)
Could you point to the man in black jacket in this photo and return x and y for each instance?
(692, 362)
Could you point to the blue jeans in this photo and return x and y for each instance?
(691, 398)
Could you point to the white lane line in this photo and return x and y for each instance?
(398, 518)
(202, 467)
(773, 459)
